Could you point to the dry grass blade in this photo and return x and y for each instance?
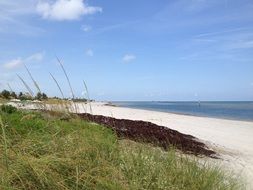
(59, 88)
(66, 75)
(34, 82)
(25, 84)
(57, 84)
(88, 97)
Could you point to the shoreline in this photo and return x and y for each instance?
(187, 114)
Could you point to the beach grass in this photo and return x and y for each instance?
(26, 86)
(69, 83)
(53, 150)
(34, 81)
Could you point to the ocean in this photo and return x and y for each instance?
(220, 109)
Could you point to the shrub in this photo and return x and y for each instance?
(6, 94)
(14, 95)
(8, 108)
(41, 96)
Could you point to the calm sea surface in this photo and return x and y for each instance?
(227, 110)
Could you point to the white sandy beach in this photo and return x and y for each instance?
(233, 140)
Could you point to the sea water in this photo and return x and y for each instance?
(220, 109)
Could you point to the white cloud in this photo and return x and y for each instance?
(13, 64)
(9, 8)
(240, 44)
(35, 57)
(65, 9)
(86, 28)
(217, 33)
(17, 63)
(198, 5)
(128, 58)
(89, 52)
(12, 14)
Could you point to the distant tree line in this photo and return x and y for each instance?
(79, 99)
(6, 94)
(22, 96)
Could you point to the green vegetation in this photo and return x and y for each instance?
(8, 108)
(42, 150)
(41, 96)
(5, 94)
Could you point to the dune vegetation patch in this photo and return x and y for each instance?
(48, 150)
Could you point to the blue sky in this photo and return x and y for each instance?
(131, 50)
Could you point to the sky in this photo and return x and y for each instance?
(166, 50)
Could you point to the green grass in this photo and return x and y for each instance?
(55, 151)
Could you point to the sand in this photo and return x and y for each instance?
(231, 139)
